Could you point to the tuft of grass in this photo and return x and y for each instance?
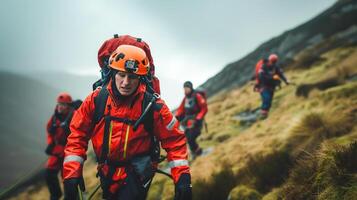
(243, 192)
(275, 194)
(305, 89)
(156, 188)
(217, 187)
(168, 191)
(307, 59)
(265, 172)
(222, 137)
(316, 127)
(329, 174)
(344, 91)
(345, 70)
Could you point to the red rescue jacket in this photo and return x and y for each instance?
(193, 105)
(124, 143)
(57, 132)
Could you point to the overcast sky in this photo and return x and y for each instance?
(190, 40)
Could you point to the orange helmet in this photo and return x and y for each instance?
(131, 59)
(64, 98)
(273, 58)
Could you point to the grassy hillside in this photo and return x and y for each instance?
(271, 156)
(306, 149)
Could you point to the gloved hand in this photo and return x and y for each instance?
(179, 118)
(49, 149)
(71, 188)
(183, 188)
(276, 77)
(198, 123)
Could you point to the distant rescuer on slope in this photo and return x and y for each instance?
(268, 75)
(125, 148)
(57, 132)
(191, 113)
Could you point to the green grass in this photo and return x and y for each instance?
(218, 187)
(262, 155)
(243, 192)
(331, 173)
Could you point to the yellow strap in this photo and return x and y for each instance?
(126, 140)
(79, 193)
(110, 137)
(119, 171)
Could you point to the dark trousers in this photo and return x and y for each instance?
(133, 189)
(53, 184)
(191, 135)
(267, 98)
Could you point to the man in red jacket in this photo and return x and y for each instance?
(268, 78)
(57, 132)
(191, 112)
(122, 142)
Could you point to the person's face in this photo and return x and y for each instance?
(62, 108)
(126, 83)
(187, 90)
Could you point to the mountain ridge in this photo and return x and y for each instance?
(338, 19)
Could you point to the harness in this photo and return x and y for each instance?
(147, 119)
(190, 103)
(64, 124)
(149, 105)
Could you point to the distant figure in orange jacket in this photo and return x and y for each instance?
(57, 132)
(124, 145)
(191, 112)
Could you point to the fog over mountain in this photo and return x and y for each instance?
(26, 105)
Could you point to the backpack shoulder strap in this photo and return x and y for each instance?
(194, 95)
(54, 119)
(149, 125)
(100, 102)
(66, 123)
(149, 118)
(51, 130)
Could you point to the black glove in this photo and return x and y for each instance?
(183, 188)
(179, 118)
(49, 149)
(71, 188)
(198, 123)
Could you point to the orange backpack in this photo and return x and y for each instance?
(258, 66)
